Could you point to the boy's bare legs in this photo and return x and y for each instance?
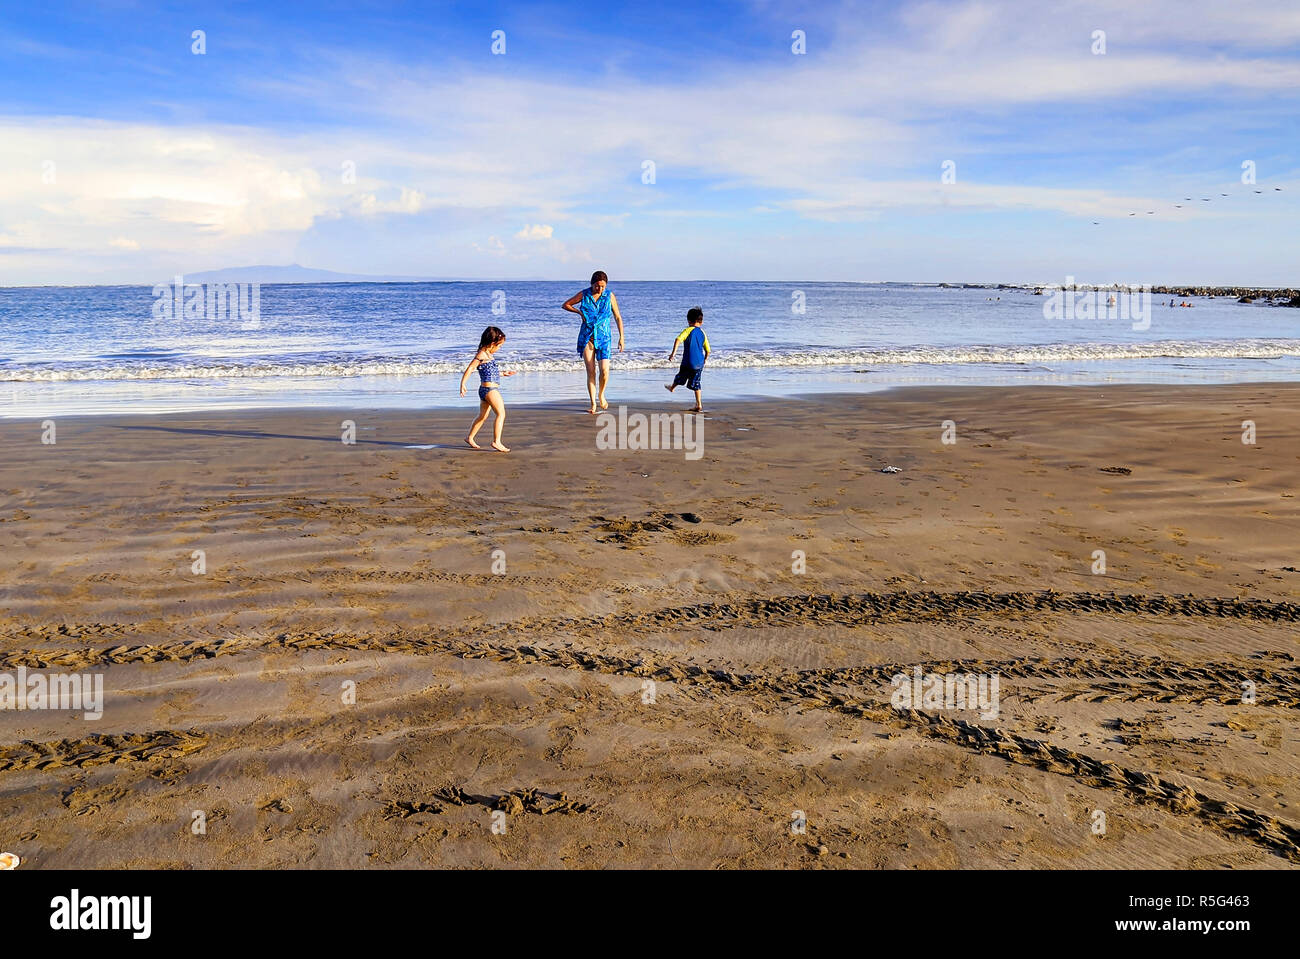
(699, 407)
(483, 408)
(604, 382)
(589, 360)
(498, 407)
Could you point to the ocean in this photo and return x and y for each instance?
(127, 349)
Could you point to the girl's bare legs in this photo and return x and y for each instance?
(483, 409)
(589, 358)
(604, 381)
(498, 407)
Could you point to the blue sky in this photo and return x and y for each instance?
(389, 139)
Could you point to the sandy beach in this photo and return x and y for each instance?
(639, 659)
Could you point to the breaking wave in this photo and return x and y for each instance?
(349, 366)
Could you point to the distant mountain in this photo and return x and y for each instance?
(293, 273)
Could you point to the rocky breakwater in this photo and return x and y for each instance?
(1241, 293)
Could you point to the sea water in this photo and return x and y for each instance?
(80, 350)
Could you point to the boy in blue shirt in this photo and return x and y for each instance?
(695, 350)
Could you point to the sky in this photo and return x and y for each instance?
(966, 141)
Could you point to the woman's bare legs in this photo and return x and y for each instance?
(589, 358)
(498, 407)
(604, 381)
(483, 409)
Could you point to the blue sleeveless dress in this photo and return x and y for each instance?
(596, 313)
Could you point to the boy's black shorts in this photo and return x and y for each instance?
(688, 378)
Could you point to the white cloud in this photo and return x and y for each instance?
(171, 188)
(494, 246)
(857, 200)
(407, 201)
(1252, 25)
(535, 232)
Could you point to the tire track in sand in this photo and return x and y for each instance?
(814, 687)
(98, 749)
(1121, 679)
(1264, 830)
(821, 609)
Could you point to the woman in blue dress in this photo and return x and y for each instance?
(596, 305)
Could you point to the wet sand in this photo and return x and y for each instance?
(623, 658)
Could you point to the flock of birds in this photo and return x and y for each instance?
(1188, 199)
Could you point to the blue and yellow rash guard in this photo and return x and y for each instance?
(696, 346)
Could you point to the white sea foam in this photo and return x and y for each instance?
(726, 359)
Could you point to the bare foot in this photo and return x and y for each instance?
(668, 387)
(470, 441)
(499, 448)
(604, 404)
(592, 411)
(698, 409)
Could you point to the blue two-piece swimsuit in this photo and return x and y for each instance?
(487, 373)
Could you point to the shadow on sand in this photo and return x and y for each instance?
(259, 435)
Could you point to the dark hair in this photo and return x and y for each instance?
(694, 315)
(490, 336)
(598, 275)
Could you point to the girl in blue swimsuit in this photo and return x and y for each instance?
(489, 395)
